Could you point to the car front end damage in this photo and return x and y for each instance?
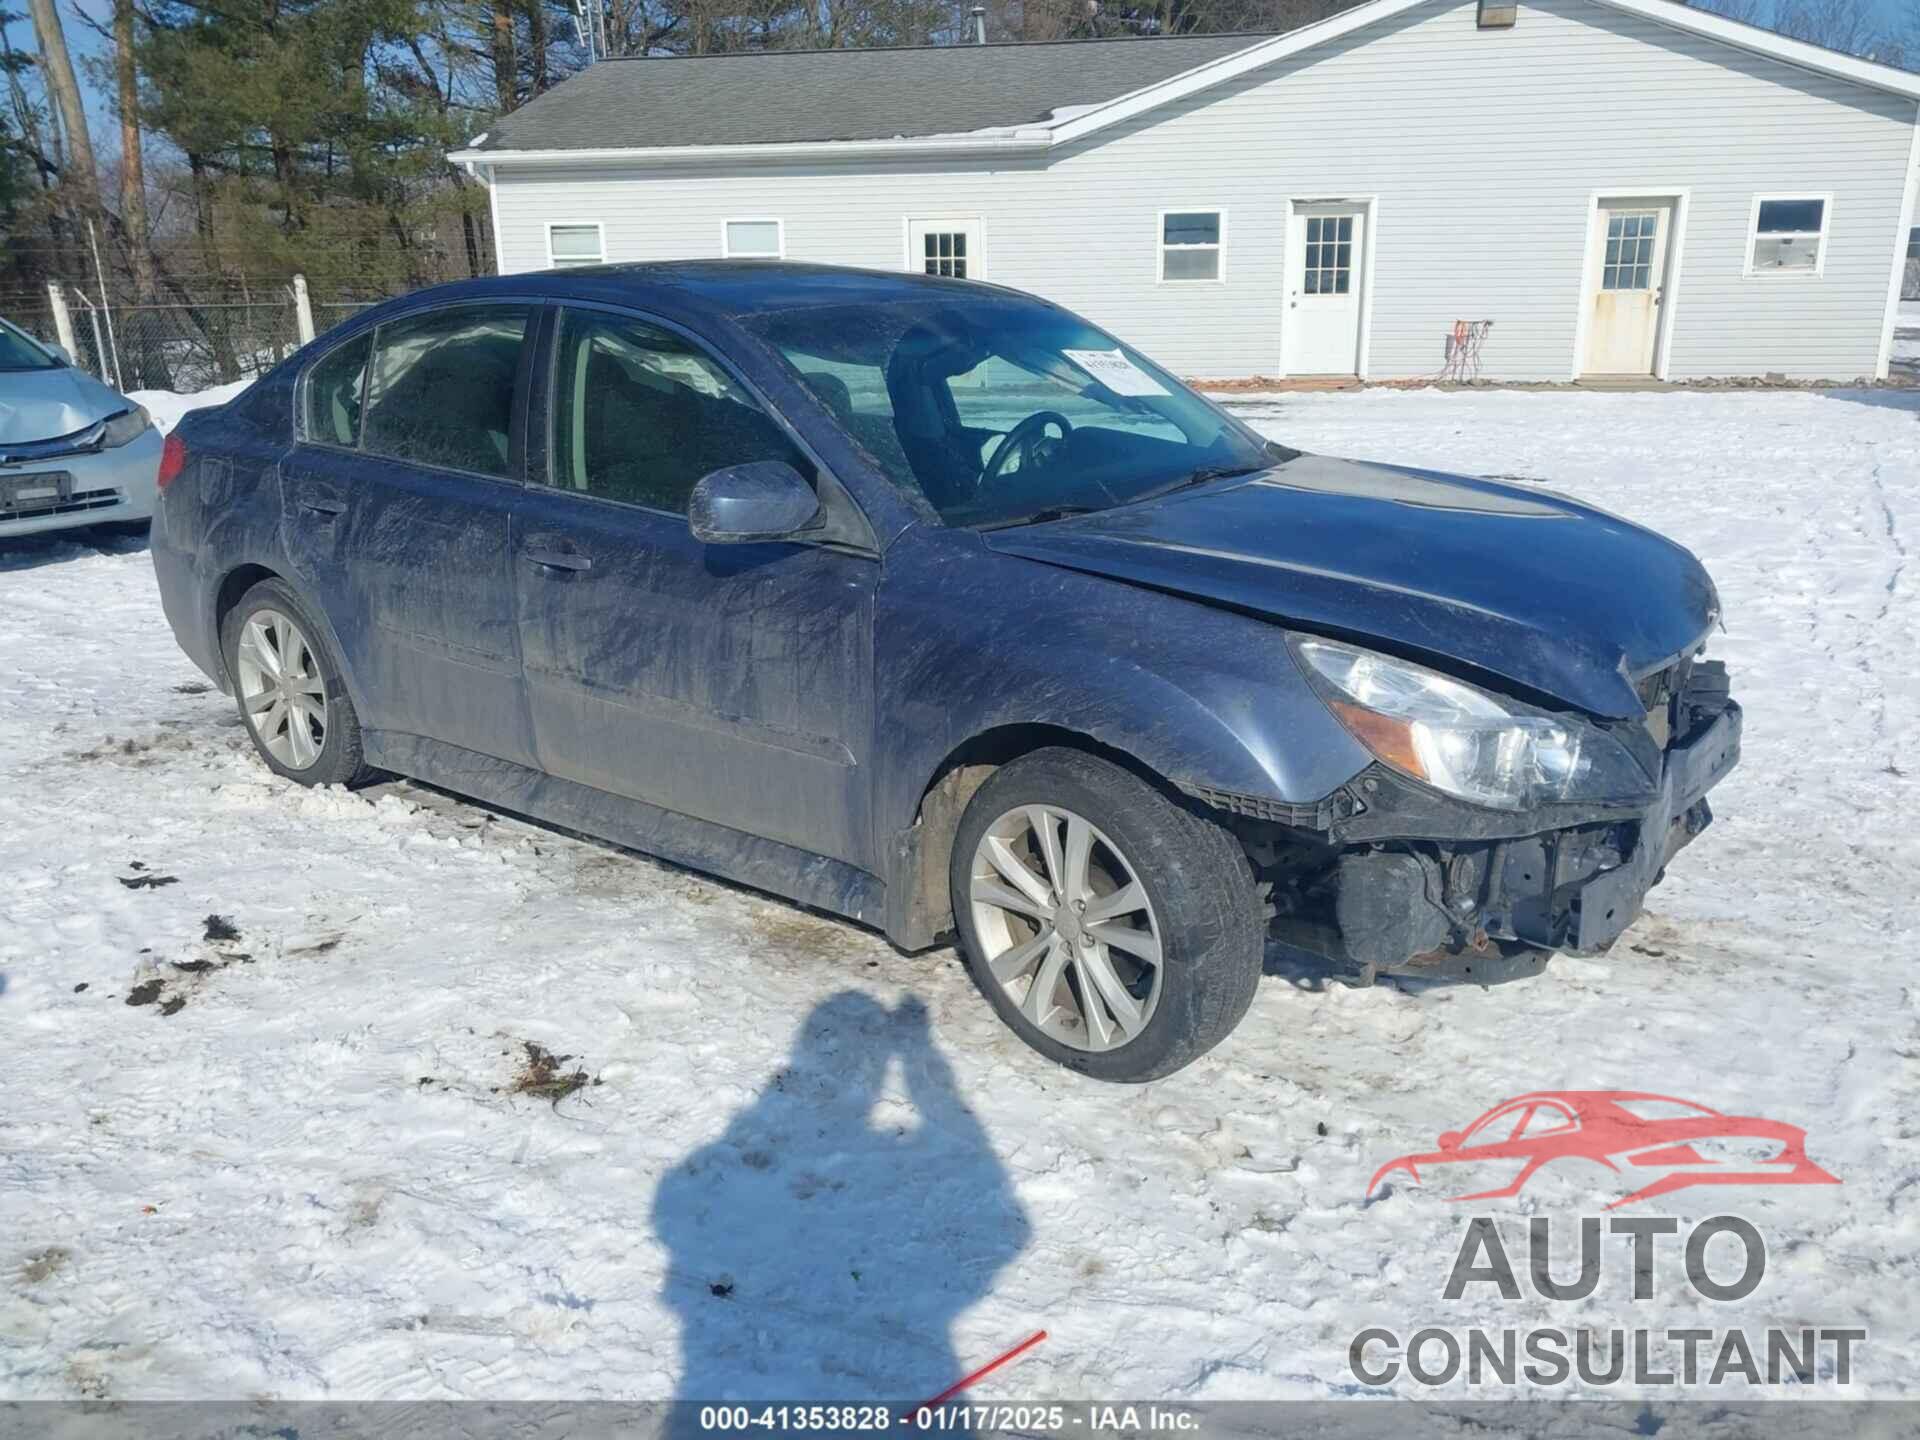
(1391, 874)
(103, 472)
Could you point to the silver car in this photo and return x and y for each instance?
(72, 451)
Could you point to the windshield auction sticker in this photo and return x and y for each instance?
(1115, 371)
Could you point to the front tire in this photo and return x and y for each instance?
(288, 686)
(1114, 930)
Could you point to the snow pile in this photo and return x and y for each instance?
(167, 406)
(318, 1158)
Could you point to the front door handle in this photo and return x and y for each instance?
(324, 505)
(553, 559)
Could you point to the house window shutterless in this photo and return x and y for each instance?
(575, 242)
(753, 239)
(1789, 234)
(1191, 244)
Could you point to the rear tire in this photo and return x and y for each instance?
(1172, 941)
(287, 683)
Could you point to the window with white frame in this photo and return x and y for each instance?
(1913, 243)
(1789, 234)
(753, 239)
(574, 242)
(1190, 244)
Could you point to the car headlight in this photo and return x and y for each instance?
(126, 427)
(1460, 739)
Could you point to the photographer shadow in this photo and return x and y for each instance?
(822, 1247)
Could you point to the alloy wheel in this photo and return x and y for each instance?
(1066, 926)
(281, 689)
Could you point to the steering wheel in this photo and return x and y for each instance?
(1017, 440)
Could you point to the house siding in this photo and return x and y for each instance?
(1481, 149)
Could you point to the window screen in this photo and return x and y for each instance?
(640, 415)
(753, 238)
(574, 245)
(334, 391)
(1190, 245)
(443, 384)
(1787, 234)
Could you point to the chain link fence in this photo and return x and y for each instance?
(234, 333)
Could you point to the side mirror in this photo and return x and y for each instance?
(1450, 1140)
(763, 500)
(60, 353)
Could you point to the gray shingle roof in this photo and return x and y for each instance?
(781, 96)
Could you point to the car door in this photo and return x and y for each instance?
(397, 504)
(732, 683)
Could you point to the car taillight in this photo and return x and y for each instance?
(173, 459)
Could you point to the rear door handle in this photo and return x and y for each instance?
(556, 559)
(323, 505)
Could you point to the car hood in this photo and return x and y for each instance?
(46, 404)
(1520, 583)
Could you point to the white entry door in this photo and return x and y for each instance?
(1629, 269)
(945, 245)
(1320, 331)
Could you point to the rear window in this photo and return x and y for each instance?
(442, 387)
(335, 389)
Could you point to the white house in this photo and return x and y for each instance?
(1620, 187)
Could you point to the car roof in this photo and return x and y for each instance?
(730, 287)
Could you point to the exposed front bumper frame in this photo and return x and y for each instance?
(1420, 883)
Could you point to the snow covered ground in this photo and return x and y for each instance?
(806, 1165)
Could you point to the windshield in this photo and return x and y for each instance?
(17, 352)
(998, 410)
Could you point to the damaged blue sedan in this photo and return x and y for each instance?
(929, 604)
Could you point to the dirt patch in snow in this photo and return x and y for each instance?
(44, 1264)
(541, 1075)
(141, 754)
(795, 932)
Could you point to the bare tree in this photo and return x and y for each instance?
(133, 170)
(64, 90)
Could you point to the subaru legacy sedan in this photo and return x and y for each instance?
(931, 605)
(72, 451)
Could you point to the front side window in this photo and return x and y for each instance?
(641, 414)
(752, 239)
(1000, 410)
(335, 388)
(1544, 1120)
(575, 244)
(1788, 236)
(1190, 245)
(442, 388)
(1497, 1128)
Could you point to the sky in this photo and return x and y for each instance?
(84, 42)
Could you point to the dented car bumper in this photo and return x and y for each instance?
(1420, 884)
